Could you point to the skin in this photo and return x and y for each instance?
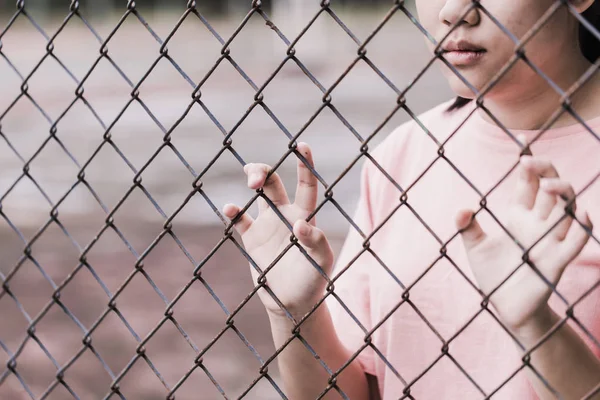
(522, 99)
(522, 302)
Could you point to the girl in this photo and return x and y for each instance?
(455, 284)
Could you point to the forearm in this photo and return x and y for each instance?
(563, 360)
(303, 376)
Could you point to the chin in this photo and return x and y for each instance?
(463, 91)
(460, 88)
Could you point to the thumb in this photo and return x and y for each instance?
(469, 228)
(315, 242)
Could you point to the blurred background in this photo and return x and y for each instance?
(39, 174)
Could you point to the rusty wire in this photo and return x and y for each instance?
(196, 179)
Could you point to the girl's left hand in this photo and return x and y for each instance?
(538, 203)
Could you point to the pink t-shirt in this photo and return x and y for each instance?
(406, 347)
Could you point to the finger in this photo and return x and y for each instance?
(564, 194)
(245, 221)
(254, 184)
(531, 170)
(272, 187)
(541, 167)
(544, 202)
(526, 187)
(262, 205)
(470, 230)
(314, 240)
(307, 190)
(576, 238)
(522, 191)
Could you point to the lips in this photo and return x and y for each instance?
(463, 53)
(462, 45)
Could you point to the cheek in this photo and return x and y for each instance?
(428, 12)
(542, 49)
(555, 37)
(519, 16)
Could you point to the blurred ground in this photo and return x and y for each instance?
(363, 98)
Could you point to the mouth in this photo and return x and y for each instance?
(463, 53)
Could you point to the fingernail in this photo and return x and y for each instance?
(254, 178)
(304, 229)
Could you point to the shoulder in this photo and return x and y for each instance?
(401, 144)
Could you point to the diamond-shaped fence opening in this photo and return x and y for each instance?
(121, 147)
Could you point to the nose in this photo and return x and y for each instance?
(453, 12)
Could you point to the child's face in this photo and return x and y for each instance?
(548, 49)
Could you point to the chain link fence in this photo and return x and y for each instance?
(151, 307)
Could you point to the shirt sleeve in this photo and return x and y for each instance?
(352, 283)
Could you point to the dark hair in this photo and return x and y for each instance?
(590, 45)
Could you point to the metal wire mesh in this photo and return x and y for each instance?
(262, 374)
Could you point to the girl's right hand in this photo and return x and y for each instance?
(294, 280)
